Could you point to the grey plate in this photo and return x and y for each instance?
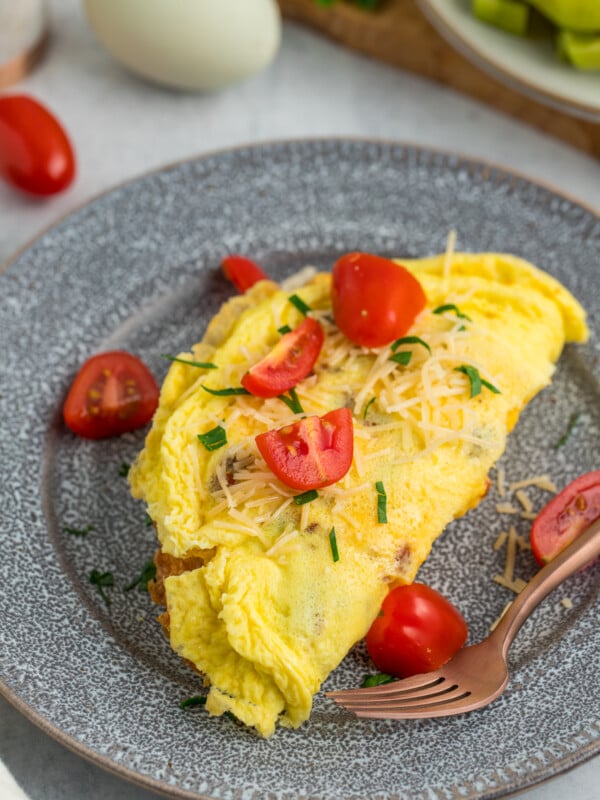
(138, 269)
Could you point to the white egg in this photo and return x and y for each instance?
(188, 44)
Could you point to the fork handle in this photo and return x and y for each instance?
(579, 553)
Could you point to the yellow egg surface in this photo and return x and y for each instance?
(269, 613)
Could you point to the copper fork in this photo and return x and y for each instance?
(477, 674)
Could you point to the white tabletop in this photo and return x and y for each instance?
(122, 127)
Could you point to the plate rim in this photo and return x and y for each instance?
(559, 766)
(499, 71)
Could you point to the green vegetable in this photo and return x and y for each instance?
(451, 307)
(191, 702)
(571, 425)
(226, 392)
(368, 406)
(79, 531)
(476, 380)
(582, 50)
(284, 329)
(299, 303)
(333, 544)
(411, 340)
(103, 580)
(214, 438)
(124, 469)
(306, 497)
(403, 357)
(292, 402)
(200, 364)
(376, 680)
(147, 574)
(381, 502)
(508, 15)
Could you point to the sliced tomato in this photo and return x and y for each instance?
(417, 630)
(36, 155)
(565, 517)
(311, 453)
(289, 362)
(242, 272)
(113, 393)
(375, 300)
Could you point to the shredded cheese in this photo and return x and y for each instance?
(540, 481)
(524, 500)
(501, 540)
(501, 481)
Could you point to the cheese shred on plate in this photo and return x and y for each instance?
(255, 601)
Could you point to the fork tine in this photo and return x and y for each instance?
(430, 699)
(459, 705)
(416, 682)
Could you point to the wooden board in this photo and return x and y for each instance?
(399, 34)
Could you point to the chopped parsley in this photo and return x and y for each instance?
(292, 402)
(193, 702)
(451, 307)
(200, 364)
(334, 547)
(476, 380)
(79, 531)
(230, 391)
(299, 303)
(376, 680)
(306, 497)
(368, 406)
(403, 357)
(103, 580)
(124, 469)
(148, 520)
(147, 574)
(381, 502)
(571, 425)
(409, 340)
(284, 329)
(214, 439)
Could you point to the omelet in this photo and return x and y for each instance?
(259, 603)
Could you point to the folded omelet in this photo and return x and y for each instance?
(256, 601)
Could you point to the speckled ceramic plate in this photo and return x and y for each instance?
(529, 64)
(138, 269)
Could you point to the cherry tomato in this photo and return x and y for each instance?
(565, 517)
(113, 392)
(375, 300)
(289, 362)
(242, 272)
(35, 153)
(418, 630)
(311, 453)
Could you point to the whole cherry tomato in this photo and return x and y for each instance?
(375, 300)
(242, 272)
(289, 362)
(565, 517)
(418, 630)
(113, 393)
(311, 453)
(35, 153)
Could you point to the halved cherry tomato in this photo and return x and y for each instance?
(113, 392)
(375, 300)
(289, 362)
(35, 152)
(242, 272)
(565, 517)
(311, 453)
(418, 630)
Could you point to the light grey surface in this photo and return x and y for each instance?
(122, 127)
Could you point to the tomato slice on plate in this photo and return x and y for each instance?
(289, 362)
(35, 152)
(311, 453)
(113, 393)
(565, 517)
(375, 300)
(417, 630)
(242, 272)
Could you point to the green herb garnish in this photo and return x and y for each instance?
(381, 502)
(124, 469)
(214, 439)
(79, 531)
(333, 544)
(284, 329)
(103, 580)
(192, 702)
(200, 364)
(299, 303)
(147, 574)
(368, 406)
(306, 497)
(148, 520)
(403, 357)
(230, 391)
(292, 402)
(409, 340)
(376, 680)
(476, 380)
(451, 307)
(573, 420)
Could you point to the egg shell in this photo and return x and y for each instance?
(188, 44)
